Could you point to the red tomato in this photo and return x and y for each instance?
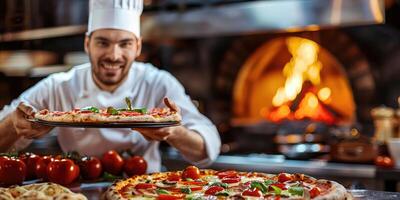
(194, 183)
(252, 192)
(174, 177)
(228, 173)
(112, 162)
(90, 168)
(145, 186)
(283, 177)
(63, 171)
(213, 190)
(231, 179)
(41, 167)
(315, 192)
(384, 161)
(135, 165)
(31, 164)
(12, 171)
(167, 197)
(196, 188)
(191, 172)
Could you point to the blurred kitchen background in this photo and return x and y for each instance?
(282, 80)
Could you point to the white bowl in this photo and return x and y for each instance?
(394, 149)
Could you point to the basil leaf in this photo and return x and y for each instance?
(260, 186)
(269, 182)
(112, 111)
(222, 193)
(194, 198)
(161, 191)
(277, 190)
(296, 191)
(186, 190)
(128, 103)
(110, 177)
(140, 110)
(91, 108)
(224, 185)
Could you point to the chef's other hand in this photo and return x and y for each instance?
(25, 128)
(171, 105)
(159, 134)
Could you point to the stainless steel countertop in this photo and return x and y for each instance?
(276, 164)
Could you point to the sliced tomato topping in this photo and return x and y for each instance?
(168, 197)
(213, 190)
(85, 111)
(174, 177)
(196, 188)
(315, 192)
(231, 179)
(145, 186)
(131, 113)
(252, 192)
(228, 173)
(283, 177)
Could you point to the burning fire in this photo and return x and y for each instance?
(300, 97)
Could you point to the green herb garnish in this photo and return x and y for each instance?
(91, 108)
(260, 186)
(140, 110)
(128, 103)
(224, 185)
(186, 190)
(296, 191)
(112, 111)
(222, 193)
(269, 182)
(277, 190)
(161, 191)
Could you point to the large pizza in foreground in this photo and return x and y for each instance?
(195, 184)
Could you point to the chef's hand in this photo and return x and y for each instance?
(161, 134)
(25, 128)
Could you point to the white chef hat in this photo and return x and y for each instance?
(115, 14)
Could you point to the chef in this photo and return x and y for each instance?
(112, 42)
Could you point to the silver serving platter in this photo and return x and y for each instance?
(107, 124)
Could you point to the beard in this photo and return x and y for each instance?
(109, 72)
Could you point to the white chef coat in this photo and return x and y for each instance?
(145, 85)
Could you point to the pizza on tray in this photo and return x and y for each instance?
(195, 184)
(39, 191)
(95, 115)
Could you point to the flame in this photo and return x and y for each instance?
(304, 66)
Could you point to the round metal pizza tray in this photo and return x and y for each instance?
(107, 124)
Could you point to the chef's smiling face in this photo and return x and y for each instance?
(111, 54)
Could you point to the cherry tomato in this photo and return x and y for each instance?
(167, 197)
(135, 165)
(112, 162)
(315, 192)
(252, 192)
(145, 186)
(63, 171)
(213, 190)
(191, 172)
(174, 177)
(12, 171)
(31, 164)
(231, 179)
(228, 173)
(90, 168)
(283, 177)
(384, 161)
(41, 167)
